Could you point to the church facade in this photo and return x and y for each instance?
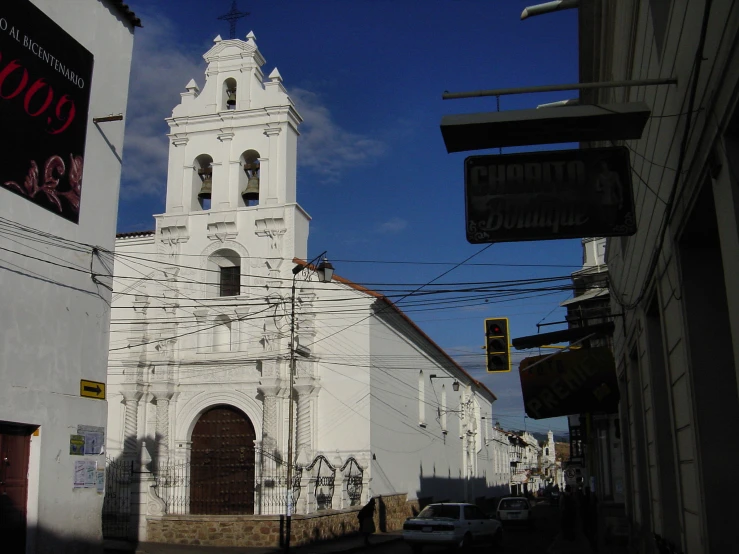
(218, 311)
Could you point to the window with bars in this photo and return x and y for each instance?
(231, 281)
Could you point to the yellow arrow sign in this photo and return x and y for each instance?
(92, 389)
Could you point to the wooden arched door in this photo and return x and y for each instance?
(222, 463)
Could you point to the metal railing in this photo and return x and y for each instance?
(117, 499)
(220, 488)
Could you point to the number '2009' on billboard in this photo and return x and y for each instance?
(45, 77)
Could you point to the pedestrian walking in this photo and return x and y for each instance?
(569, 514)
(366, 517)
(589, 513)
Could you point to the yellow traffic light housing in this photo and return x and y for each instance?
(497, 345)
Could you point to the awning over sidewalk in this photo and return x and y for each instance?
(477, 131)
(593, 293)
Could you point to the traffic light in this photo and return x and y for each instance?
(497, 345)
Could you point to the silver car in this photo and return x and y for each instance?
(451, 524)
(515, 509)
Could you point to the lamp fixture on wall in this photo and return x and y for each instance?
(455, 385)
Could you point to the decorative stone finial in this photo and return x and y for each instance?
(275, 76)
(251, 36)
(217, 39)
(192, 86)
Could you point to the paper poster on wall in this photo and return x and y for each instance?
(93, 444)
(100, 481)
(94, 439)
(85, 474)
(76, 445)
(80, 470)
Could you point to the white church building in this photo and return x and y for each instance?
(204, 309)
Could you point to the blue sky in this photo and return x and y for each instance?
(387, 200)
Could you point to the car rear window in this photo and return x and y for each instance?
(440, 510)
(513, 504)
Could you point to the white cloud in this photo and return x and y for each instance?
(394, 225)
(325, 147)
(162, 65)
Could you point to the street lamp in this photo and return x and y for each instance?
(455, 385)
(325, 272)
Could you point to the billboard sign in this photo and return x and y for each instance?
(45, 78)
(549, 195)
(574, 382)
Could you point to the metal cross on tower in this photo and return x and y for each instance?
(232, 17)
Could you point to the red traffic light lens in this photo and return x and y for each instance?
(495, 328)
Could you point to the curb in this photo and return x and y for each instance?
(349, 549)
(318, 548)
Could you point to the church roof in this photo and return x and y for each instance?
(397, 310)
(126, 12)
(134, 234)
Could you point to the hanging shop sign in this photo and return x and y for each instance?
(549, 195)
(45, 78)
(575, 382)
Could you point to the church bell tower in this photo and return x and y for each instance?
(232, 160)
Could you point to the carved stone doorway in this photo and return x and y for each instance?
(222, 463)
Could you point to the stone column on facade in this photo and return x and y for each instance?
(242, 329)
(201, 316)
(269, 389)
(226, 192)
(131, 398)
(177, 197)
(162, 399)
(270, 175)
(138, 337)
(305, 387)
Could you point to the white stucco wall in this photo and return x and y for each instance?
(54, 328)
(411, 452)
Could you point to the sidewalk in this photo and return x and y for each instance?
(579, 545)
(342, 545)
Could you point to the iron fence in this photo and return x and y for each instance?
(186, 488)
(324, 477)
(117, 499)
(354, 477)
(224, 489)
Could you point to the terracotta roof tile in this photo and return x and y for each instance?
(134, 234)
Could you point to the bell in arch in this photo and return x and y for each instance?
(206, 174)
(231, 101)
(251, 191)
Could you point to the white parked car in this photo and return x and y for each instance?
(453, 524)
(515, 509)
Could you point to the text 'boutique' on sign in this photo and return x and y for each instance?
(549, 195)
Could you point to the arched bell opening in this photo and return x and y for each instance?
(202, 181)
(249, 185)
(222, 463)
(229, 94)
